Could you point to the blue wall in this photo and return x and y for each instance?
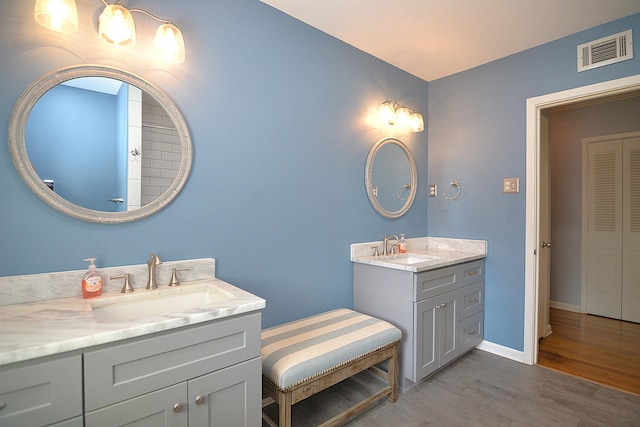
(477, 136)
(71, 133)
(280, 115)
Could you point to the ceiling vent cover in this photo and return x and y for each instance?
(605, 51)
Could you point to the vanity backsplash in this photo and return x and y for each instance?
(423, 243)
(65, 284)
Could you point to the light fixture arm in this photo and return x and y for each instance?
(149, 14)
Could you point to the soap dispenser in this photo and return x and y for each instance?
(91, 281)
(402, 245)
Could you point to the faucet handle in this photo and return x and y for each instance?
(126, 288)
(375, 250)
(174, 276)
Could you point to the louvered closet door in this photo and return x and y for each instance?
(631, 230)
(604, 225)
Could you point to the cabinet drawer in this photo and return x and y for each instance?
(122, 371)
(42, 393)
(435, 282)
(471, 299)
(472, 272)
(471, 332)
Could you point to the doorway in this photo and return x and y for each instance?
(533, 214)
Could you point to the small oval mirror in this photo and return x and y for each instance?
(89, 151)
(390, 177)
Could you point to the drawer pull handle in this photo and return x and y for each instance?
(2, 405)
(472, 300)
(178, 407)
(199, 400)
(473, 272)
(472, 332)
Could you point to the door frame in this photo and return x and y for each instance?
(532, 221)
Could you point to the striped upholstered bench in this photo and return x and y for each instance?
(309, 355)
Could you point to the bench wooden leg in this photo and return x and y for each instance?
(284, 409)
(392, 375)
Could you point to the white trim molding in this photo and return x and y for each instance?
(501, 350)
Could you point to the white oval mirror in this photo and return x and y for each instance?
(390, 177)
(100, 144)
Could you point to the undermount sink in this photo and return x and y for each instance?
(409, 259)
(143, 303)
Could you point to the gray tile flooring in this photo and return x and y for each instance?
(480, 389)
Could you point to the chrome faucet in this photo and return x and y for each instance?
(154, 261)
(385, 244)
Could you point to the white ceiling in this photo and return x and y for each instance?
(437, 38)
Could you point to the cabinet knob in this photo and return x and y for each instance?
(178, 407)
(444, 305)
(2, 405)
(199, 400)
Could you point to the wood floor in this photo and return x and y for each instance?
(599, 349)
(479, 389)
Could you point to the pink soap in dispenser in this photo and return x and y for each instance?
(91, 281)
(402, 245)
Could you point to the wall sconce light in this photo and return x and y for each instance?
(115, 26)
(396, 114)
(57, 15)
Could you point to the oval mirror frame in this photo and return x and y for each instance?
(20, 157)
(369, 178)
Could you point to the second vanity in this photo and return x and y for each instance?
(434, 294)
(194, 364)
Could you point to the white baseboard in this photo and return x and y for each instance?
(564, 306)
(500, 350)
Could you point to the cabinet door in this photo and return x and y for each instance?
(41, 393)
(230, 397)
(165, 407)
(436, 338)
(448, 328)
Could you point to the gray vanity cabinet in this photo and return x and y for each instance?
(44, 392)
(207, 374)
(203, 375)
(439, 311)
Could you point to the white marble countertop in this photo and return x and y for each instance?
(436, 251)
(41, 328)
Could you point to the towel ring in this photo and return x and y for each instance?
(404, 187)
(455, 184)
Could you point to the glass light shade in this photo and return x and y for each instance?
(403, 117)
(417, 122)
(387, 112)
(169, 44)
(57, 15)
(115, 26)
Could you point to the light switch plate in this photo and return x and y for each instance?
(511, 185)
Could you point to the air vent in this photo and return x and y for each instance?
(605, 51)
